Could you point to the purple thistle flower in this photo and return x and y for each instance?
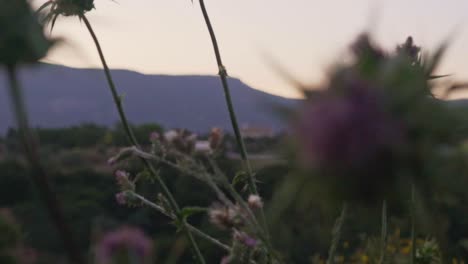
(346, 129)
(121, 198)
(245, 239)
(154, 137)
(123, 180)
(121, 177)
(126, 241)
(250, 241)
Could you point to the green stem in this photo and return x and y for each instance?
(413, 224)
(336, 235)
(383, 238)
(39, 175)
(195, 230)
(232, 114)
(131, 137)
(223, 75)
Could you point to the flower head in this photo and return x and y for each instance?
(154, 137)
(182, 140)
(225, 217)
(68, 7)
(216, 137)
(121, 198)
(123, 180)
(126, 242)
(245, 239)
(346, 129)
(255, 201)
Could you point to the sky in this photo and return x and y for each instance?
(305, 37)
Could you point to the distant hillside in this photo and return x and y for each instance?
(59, 96)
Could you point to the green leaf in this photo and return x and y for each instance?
(434, 61)
(189, 211)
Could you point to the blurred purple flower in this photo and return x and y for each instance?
(126, 241)
(245, 239)
(121, 198)
(346, 129)
(121, 177)
(123, 180)
(154, 137)
(226, 260)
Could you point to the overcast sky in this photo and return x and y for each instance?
(305, 36)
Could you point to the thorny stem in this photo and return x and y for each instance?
(223, 75)
(195, 230)
(39, 174)
(240, 141)
(131, 137)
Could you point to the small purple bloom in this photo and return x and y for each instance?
(112, 161)
(245, 239)
(250, 241)
(121, 198)
(154, 136)
(126, 241)
(121, 177)
(226, 260)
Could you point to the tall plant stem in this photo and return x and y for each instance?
(39, 175)
(413, 224)
(223, 75)
(383, 237)
(336, 235)
(131, 137)
(232, 114)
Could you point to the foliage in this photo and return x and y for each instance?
(373, 133)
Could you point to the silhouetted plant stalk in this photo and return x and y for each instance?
(222, 72)
(131, 137)
(383, 238)
(223, 75)
(413, 224)
(39, 175)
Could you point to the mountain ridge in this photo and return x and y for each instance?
(60, 96)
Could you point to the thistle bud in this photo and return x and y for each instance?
(245, 239)
(121, 198)
(123, 180)
(216, 137)
(125, 244)
(255, 202)
(154, 137)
